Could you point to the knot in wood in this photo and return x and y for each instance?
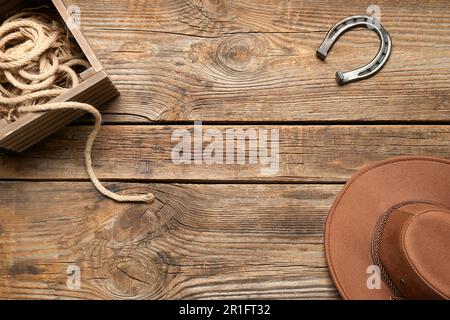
(241, 53)
(132, 272)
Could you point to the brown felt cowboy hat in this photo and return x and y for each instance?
(392, 220)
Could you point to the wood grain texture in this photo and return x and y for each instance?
(255, 60)
(219, 231)
(142, 153)
(195, 241)
(34, 127)
(96, 89)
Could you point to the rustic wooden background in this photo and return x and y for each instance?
(220, 231)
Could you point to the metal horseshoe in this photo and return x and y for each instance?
(375, 65)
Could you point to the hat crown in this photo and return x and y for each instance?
(415, 250)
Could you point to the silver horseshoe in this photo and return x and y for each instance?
(375, 65)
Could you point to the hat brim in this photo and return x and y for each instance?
(353, 218)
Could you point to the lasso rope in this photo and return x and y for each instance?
(38, 62)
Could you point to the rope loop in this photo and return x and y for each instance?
(38, 62)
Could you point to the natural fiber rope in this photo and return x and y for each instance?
(89, 144)
(38, 62)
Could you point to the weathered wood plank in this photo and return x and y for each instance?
(143, 153)
(255, 60)
(195, 241)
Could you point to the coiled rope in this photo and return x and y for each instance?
(38, 62)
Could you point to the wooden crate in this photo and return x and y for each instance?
(95, 88)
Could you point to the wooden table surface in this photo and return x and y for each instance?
(219, 231)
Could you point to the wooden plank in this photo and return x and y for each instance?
(194, 242)
(99, 93)
(254, 60)
(77, 34)
(143, 153)
(33, 127)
